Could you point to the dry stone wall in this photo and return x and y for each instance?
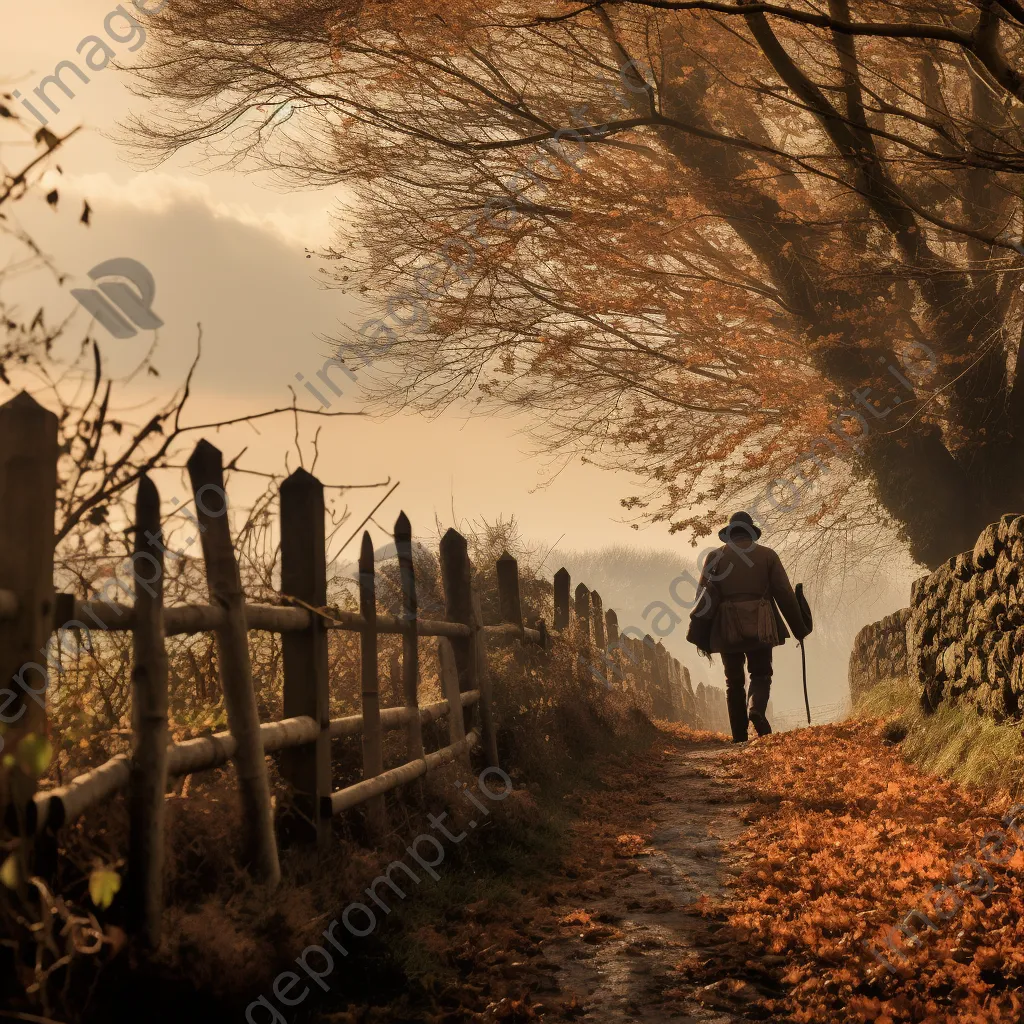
(879, 652)
(964, 629)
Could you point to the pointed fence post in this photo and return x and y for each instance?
(373, 745)
(650, 675)
(598, 609)
(661, 680)
(665, 680)
(561, 620)
(675, 687)
(147, 781)
(509, 604)
(584, 657)
(206, 472)
(689, 703)
(660, 670)
(456, 574)
(657, 690)
(583, 611)
(458, 606)
(636, 645)
(627, 661)
(670, 685)
(681, 685)
(28, 500)
(410, 638)
(611, 621)
(306, 674)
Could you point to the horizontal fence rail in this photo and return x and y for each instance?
(57, 807)
(109, 616)
(395, 777)
(302, 738)
(272, 618)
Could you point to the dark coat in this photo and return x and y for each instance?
(737, 573)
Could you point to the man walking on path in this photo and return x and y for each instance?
(743, 586)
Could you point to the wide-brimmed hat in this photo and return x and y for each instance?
(740, 522)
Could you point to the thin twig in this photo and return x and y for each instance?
(261, 415)
(19, 178)
(367, 519)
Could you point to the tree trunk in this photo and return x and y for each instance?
(939, 499)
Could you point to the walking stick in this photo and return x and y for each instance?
(805, 612)
(803, 664)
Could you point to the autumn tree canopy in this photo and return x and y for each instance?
(688, 235)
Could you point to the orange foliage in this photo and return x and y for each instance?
(685, 732)
(685, 240)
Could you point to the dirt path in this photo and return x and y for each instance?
(626, 950)
(714, 918)
(665, 902)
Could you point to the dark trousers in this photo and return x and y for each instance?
(742, 710)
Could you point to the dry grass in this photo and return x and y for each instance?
(226, 938)
(957, 742)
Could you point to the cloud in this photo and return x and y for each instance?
(157, 193)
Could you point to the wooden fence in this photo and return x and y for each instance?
(30, 612)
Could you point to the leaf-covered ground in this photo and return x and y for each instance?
(693, 880)
(853, 840)
(709, 882)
